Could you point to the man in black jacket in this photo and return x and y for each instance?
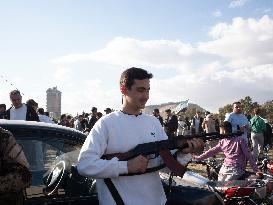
(171, 124)
(19, 110)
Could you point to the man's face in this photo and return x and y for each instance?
(138, 95)
(237, 108)
(2, 109)
(16, 100)
(94, 112)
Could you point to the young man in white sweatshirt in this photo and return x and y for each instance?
(119, 132)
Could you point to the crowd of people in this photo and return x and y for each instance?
(120, 131)
(30, 111)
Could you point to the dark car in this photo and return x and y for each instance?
(52, 153)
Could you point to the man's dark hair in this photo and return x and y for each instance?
(3, 106)
(236, 103)
(128, 76)
(156, 110)
(41, 111)
(226, 125)
(14, 92)
(63, 116)
(31, 102)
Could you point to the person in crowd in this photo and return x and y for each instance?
(217, 124)
(69, 121)
(85, 122)
(108, 110)
(236, 154)
(93, 118)
(238, 120)
(208, 126)
(33, 104)
(207, 113)
(268, 135)
(197, 121)
(171, 123)
(119, 132)
(79, 123)
(19, 110)
(258, 128)
(63, 120)
(2, 111)
(187, 126)
(99, 115)
(15, 175)
(156, 113)
(181, 126)
(43, 117)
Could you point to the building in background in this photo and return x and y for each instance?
(53, 102)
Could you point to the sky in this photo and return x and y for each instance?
(211, 52)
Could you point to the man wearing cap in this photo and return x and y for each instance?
(19, 110)
(108, 110)
(93, 118)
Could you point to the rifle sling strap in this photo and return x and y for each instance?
(177, 168)
(114, 192)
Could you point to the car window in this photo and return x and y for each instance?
(42, 154)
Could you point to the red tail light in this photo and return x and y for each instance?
(239, 192)
(270, 166)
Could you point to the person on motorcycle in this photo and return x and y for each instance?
(236, 154)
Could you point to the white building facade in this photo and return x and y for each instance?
(54, 102)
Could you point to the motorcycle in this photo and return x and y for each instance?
(248, 191)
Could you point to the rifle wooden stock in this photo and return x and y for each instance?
(169, 144)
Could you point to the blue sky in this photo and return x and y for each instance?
(211, 52)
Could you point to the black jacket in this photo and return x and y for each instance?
(30, 116)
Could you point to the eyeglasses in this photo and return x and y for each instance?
(237, 107)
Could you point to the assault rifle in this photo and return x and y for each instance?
(163, 148)
(169, 144)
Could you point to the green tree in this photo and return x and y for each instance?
(222, 111)
(248, 106)
(268, 110)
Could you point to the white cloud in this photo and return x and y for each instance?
(243, 42)
(129, 51)
(237, 3)
(236, 62)
(217, 13)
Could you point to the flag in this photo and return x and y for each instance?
(181, 107)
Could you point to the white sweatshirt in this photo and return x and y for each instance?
(117, 133)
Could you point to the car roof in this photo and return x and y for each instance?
(18, 127)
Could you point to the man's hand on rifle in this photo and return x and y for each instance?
(137, 164)
(194, 145)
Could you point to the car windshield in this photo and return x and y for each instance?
(42, 155)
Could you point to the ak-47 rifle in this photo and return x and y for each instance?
(163, 148)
